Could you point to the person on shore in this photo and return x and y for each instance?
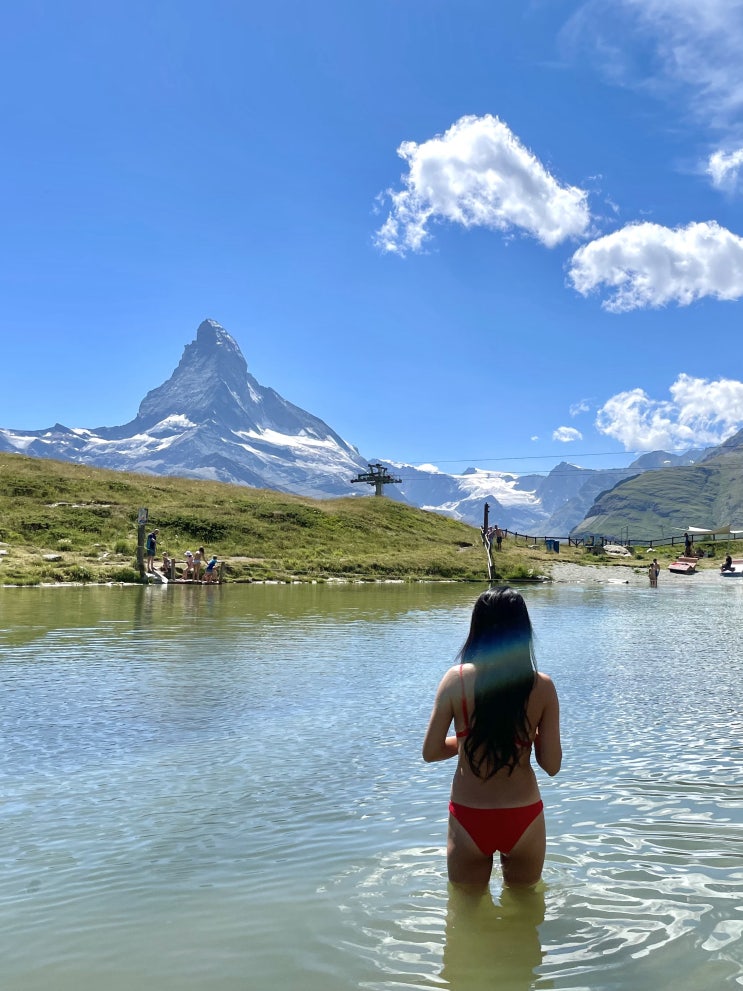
(498, 537)
(166, 565)
(151, 550)
(199, 560)
(728, 565)
(653, 572)
(501, 707)
(687, 545)
(188, 567)
(210, 575)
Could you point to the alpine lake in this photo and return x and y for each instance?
(220, 788)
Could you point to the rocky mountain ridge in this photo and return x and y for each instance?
(213, 420)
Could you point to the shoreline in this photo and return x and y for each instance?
(619, 574)
(560, 572)
(564, 572)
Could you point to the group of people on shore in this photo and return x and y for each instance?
(196, 568)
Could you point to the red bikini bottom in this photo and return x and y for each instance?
(496, 829)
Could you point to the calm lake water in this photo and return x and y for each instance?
(221, 789)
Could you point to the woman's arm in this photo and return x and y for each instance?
(436, 744)
(547, 745)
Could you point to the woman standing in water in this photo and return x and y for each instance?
(501, 706)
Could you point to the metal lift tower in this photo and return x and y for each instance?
(378, 476)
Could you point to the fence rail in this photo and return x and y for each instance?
(601, 541)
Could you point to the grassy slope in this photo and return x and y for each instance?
(670, 500)
(87, 517)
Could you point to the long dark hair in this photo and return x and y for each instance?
(499, 644)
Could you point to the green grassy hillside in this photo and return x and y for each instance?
(62, 522)
(667, 501)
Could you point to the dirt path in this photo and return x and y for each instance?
(586, 574)
(562, 571)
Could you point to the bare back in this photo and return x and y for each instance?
(504, 789)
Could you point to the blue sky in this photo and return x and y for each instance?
(472, 233)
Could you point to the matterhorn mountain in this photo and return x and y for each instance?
(211, 420)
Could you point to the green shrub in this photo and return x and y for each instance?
(78, 573)
(521, 572)
(126, 575)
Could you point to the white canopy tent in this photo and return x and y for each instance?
(730, 531)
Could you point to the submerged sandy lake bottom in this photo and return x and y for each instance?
(221, 788)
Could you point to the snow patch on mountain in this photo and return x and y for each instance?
(463, 496)
(17, 441)
(499, 485)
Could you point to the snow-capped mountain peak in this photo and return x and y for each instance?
(211, 419)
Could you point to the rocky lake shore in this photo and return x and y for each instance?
(637, 574)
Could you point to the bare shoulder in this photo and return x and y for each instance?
(545, 682)
(544, 688)
(449, 680)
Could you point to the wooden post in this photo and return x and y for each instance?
(487, 543)
(142, 517)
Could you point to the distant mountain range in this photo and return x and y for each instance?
(212, 419)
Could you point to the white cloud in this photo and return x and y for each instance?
(580, 407)
(535, 437)
(648, 265)
(699, 413)
(725, 168)
(668, 46)
(566, 434)
(478, 174)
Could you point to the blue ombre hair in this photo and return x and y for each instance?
(500, 645)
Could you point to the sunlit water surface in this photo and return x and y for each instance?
(221, 788)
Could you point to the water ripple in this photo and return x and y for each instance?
(225, 792)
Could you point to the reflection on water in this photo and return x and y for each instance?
(491, 942)
(221, 788)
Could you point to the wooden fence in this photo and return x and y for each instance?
(597, 542)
